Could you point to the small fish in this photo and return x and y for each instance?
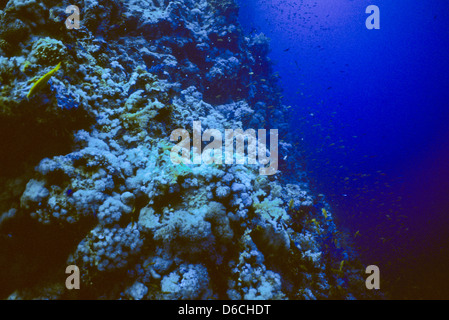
(341, 265)
(146, 265)
(290, 204)
(324, 212)
(42, 81)
(25, 65)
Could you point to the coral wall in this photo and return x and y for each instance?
(87, 179)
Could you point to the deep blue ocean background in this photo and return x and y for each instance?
(370, 114)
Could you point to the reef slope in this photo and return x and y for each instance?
(87, 179)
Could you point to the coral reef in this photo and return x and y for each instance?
(87, 178)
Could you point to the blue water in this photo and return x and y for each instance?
(371, 114)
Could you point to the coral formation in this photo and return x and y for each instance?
(89, 171)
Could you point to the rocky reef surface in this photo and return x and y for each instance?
(86, 175)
